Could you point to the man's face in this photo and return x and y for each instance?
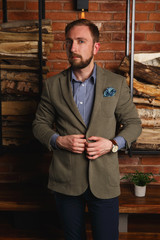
(80, 47)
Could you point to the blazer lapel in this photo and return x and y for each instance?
(65, 83)
(98, 93)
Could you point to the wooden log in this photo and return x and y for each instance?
(147, 101)
(26, 26)
(22, 68)
(20, 76)
(149, 74)
(148, 140)
(21, 56)
(148, 112)
(24, 37)
(19, 107)
(145, 89)
(13, 87)
(150, 123)
(19, 61)
(20, 47)
(16, 132)
(17, 120)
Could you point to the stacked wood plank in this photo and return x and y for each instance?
(146, 96)
(19, 75)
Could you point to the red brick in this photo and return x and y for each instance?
(151, 160)
(130, 169)
(139, 37)
(105, 37)
(58, 26)
(70, 16)
(154, 170)
(98, 16)
(68, 6)
(112, 65)
(32, 6)
(93, 6)
(126, 160)
(112, 46)
(118, 36)
(57, 46)
(119, 55)
(59, 36)
(15, 5)
(22, 15)
(57, 56)
(147, 47)
(145, 7)
(119, 16)
(104, 56)
(52, 6)
(112, 7)
(154, 16)
(157, 178)
(112, 26)
(153, 37)
(141, 16)
(157, 27)
(148, 26)
(60, 65)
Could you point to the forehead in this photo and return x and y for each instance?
(79, 32)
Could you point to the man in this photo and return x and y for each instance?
(94, 117)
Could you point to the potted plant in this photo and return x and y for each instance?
(140, 180)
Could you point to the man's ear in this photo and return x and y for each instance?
(96, 48)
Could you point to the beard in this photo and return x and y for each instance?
(81, 64)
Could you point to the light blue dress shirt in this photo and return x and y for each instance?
(83, 94)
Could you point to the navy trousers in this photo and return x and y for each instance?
(104, 215)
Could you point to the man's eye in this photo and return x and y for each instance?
(81, 41)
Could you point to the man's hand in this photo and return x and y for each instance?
(97, 147)
(72, 143)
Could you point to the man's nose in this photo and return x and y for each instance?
(73, 47)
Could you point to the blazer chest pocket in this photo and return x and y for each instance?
(108, 107)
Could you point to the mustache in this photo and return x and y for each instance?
(74, 55)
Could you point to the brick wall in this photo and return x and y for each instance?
(110, 17)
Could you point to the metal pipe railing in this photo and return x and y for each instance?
(132, 41)
(128, 29)
(132, 47)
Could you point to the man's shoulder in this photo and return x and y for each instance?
(110, 74)
(55, 78)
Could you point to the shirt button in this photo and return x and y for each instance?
(83, 84)
(81, 102)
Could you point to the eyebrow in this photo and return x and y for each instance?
(79, 38)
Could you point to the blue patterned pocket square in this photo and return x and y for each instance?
(109, 92)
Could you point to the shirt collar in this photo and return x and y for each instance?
(93, 75)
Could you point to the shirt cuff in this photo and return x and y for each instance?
(121, 142)
(53, 141)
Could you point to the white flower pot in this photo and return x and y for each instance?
(140, 191)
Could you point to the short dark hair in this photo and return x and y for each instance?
(84, 22)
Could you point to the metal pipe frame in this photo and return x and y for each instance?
(132, 47)
(132, 41)
(4, 7)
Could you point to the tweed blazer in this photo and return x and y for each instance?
(72, 173)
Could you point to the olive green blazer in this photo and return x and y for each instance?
(71, 173)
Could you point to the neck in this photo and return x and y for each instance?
(84, 73)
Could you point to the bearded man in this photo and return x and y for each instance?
(87, 104)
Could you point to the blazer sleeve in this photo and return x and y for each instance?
(127, 116)
(43, 125)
